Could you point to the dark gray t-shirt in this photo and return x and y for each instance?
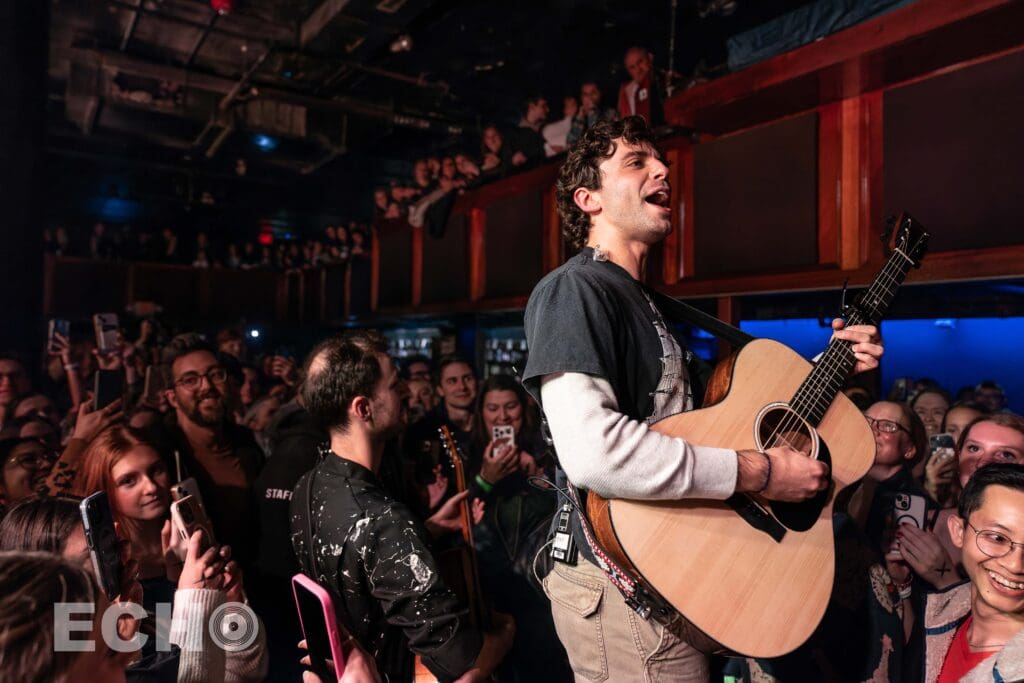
(591, 316)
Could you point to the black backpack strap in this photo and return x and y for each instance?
(308, 504)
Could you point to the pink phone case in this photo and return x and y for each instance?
(303, 582)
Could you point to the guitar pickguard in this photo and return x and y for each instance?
(803, 515)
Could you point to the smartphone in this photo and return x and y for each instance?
(190, 517)
(154, 384)
(942, 446)
(187, 487)
(503, 432)
(909, 509)
(57, 326)
(104, 547)
(319, 627)
(901, 389)
(106, 327)
(108, 386)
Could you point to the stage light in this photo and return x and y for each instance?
(264, 142)
(222, 6)
(254, 333)
(402, 43)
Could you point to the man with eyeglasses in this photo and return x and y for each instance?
(222, 456)
(975, 631)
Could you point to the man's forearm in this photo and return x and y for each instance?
(605, 451)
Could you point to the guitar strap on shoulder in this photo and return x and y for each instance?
(681, 312)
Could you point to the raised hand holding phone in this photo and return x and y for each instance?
(501, 458)
(189, 516)
(106, 327)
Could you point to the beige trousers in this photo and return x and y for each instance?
(608, 641)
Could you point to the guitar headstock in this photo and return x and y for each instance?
(908, 237)
(454, 455)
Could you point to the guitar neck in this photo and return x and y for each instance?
(471, 572)
(815, 395)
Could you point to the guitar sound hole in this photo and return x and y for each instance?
(780, 426)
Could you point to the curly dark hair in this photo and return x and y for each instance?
(337, 371)
(581, 169)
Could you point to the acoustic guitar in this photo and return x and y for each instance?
(752, 574)
(460, 565)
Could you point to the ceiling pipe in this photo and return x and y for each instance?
(275, 32)
(132, 23)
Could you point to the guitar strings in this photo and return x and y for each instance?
(837, 357)
(829, 361)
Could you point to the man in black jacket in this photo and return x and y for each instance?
(365, 546)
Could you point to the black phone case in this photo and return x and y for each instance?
(98, 522)
(107, 388)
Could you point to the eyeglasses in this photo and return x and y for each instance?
(886, 426)
(192, 380)
(993, 543)
(33, 460)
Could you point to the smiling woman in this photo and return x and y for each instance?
(125, 464)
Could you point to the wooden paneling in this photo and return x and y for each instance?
(954, 154)
(176, 288)
(394, 244)
(755, 199)
(360, 286)
(830, 165)
(237, 293)
(921, 38)
(446, 263)
(81, 288)
(514, 244)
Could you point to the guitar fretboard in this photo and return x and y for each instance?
(815, 395)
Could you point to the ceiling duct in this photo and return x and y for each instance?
(82, 100)
(279, 118)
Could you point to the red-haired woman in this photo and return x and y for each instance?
(125, 464)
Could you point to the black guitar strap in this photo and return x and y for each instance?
(682, 312)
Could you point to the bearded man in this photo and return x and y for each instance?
(221, 456)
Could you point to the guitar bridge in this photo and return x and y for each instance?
(756, 516)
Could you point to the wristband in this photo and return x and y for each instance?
(768, 474)
(483, 483)
(904, 589)
(71, 366)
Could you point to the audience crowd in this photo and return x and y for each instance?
(338, 466)
(337, 245)
(425, 198)
(242, 429)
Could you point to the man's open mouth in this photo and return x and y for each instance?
(659, 198)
